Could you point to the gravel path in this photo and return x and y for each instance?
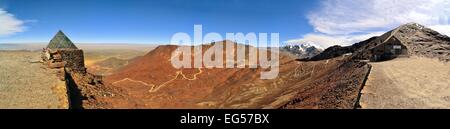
(25, 85)
(411, 83)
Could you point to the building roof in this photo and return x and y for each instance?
(61, 41)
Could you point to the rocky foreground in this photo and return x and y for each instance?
(413, 83)
(25, 84)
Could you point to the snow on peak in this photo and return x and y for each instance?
(304, 45)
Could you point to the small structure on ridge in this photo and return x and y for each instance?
(62, 53)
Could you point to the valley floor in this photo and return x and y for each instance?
(407, 83)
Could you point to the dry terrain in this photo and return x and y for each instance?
(27, 85)
(407, 83)
(94, 53)
(105, 59)
(152, 82)
(136, 76)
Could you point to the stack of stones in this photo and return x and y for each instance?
(54, 60)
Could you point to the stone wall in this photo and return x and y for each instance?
(74, 59)
(84, 88)
(60, 58)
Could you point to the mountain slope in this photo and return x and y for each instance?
(152, 82)
(335, 51)
(418, 40)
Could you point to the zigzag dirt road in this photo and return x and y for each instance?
(155, 88)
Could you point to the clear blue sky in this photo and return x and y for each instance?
(154, 21)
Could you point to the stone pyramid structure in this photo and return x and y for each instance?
(62, 53)
(61, 41)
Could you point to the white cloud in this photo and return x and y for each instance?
(9, 24)
(347, 20)
(443, 29)
(351, 16)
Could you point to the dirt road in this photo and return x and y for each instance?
(407, 83)
(25, 85)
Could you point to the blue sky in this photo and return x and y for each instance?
(320, 22)
(154, 21)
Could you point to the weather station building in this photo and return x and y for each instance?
(391, 49)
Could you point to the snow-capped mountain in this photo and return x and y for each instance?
(304, 50)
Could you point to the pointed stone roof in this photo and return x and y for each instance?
(60, 41)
